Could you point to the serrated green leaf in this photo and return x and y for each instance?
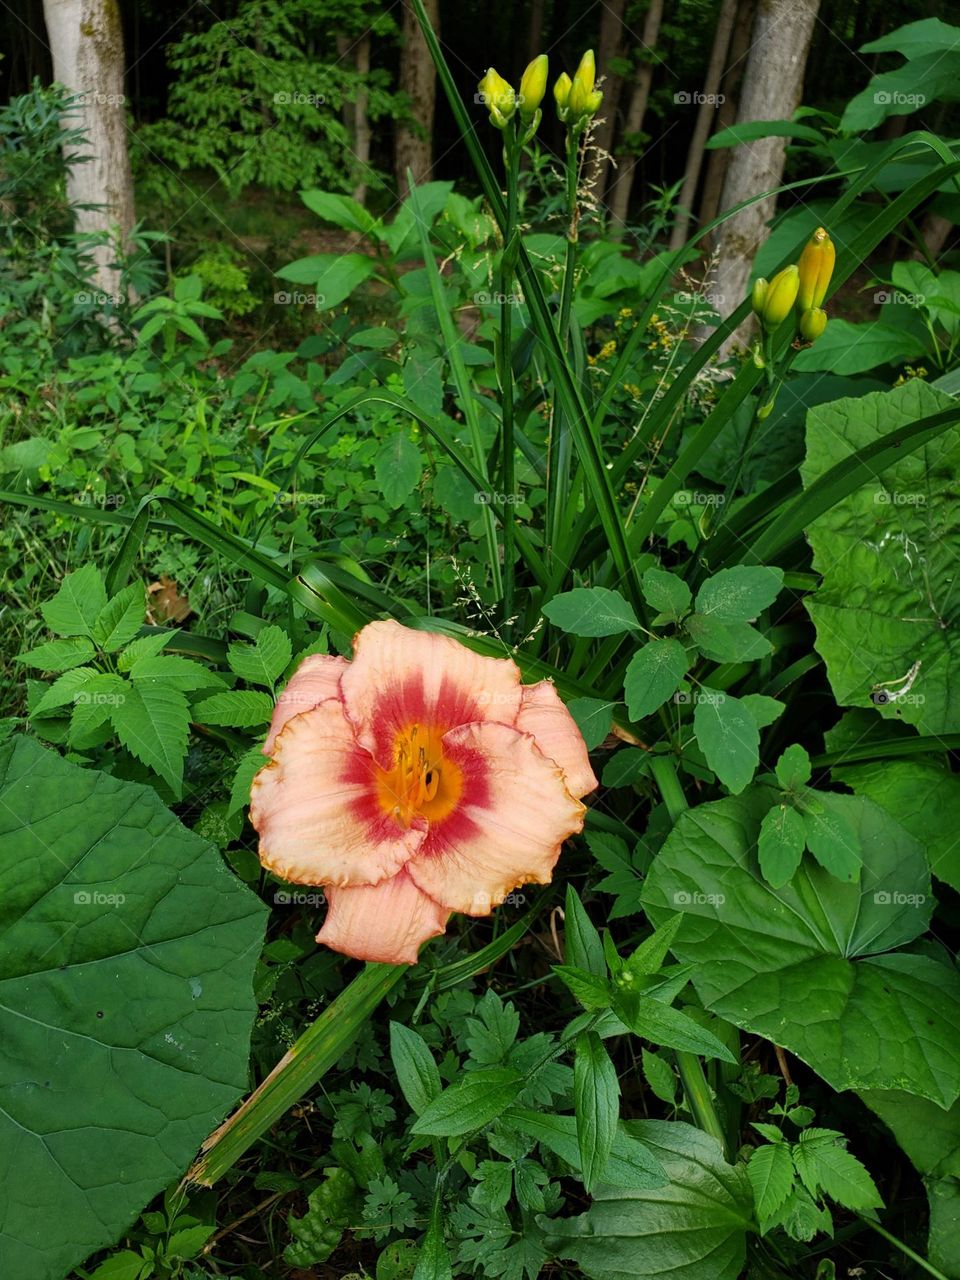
(663, 1025)
(248, 767)
(654, 675)
(647, 959)
(630, 1163)
(265, 661)
(666, 593)
(478, 1098)
(770, 1170)
(596, 1094)
(593, 717)
(64, 689)
(828, 823)
(145, 647)
(728, 736)
(59, 655)
(740, 594)
(236, 709)
(763, 709)
(179, 673)
(591, 611)
(416, 1070)
(591, 991)
(626, 767)
(726, 641)
(659, 1076)
(830, 1168)
(398, 468)
(152, 722)
(120, 618)
(582, 946)
(793, 768)
(74, 609)
(781, 844)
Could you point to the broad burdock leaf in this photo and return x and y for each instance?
(127, 953)
(804, 965)
(739, 594)
(263, 662)
(728, 736)
(885, 610)
(591, 611)
(694, 1228)
(654, 675)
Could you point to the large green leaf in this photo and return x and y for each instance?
(695, 1228)
(126, 959)
(924, 796)
(931, 1140)
(887, 610)
(803, 964)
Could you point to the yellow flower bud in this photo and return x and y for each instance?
(812, 324)
(561, 94)
(816, 268)
(757, 295)
(584, 100)
(499, 97)
(533, 86)
(780, 297)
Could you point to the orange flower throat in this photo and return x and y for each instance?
(423, 782)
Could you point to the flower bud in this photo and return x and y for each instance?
(812, 324)
(499, 97)
(561, 94)
(816, 268)
(584, 100)
(759, 292)
(780, 297)
(533, 86)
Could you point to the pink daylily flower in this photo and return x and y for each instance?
(417, 780)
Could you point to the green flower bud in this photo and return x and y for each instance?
(499, 97)
(533, 86)
(780, 297)
(816, 268)
(561, 94)
(812, 324)
(584, 100)
(759, 292)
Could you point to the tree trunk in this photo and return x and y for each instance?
(361, 120)
(772, 85)
(622, 183)
(414, 144)
(706, 117)
(609, 47)
(727, 112)
(535, 35)
(86, 41)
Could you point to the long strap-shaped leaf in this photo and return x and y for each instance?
(567, 392)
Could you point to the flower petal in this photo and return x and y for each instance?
(316, 679)
(316, 810)
(400, 677)
(544, 715)
(388, 922)
(513, 814)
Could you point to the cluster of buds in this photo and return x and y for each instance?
(802, 286)
(578, 100)
(502, 101)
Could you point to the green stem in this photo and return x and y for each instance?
(697, 1093)
(512, 158)
(904, 1248)
(665, 776)
(558, 469)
